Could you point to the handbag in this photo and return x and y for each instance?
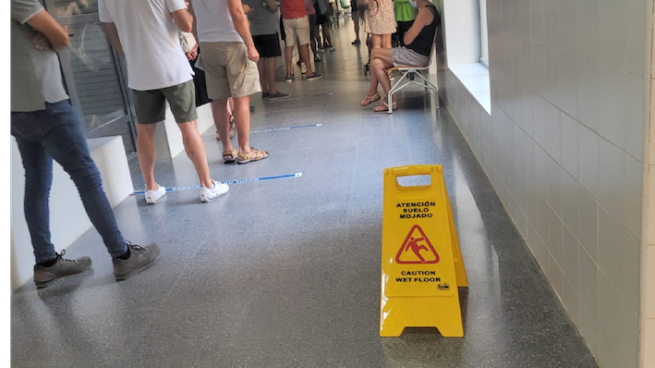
(187, 41)
(362, 5)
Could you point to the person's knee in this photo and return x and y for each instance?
(188, 129)
(377, 64)
(146, 130)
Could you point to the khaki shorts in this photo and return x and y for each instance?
(228, 71)
(299, 28)
(150, 106)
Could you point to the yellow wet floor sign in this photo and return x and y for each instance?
(421, 260)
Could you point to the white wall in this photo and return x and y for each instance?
(68, 219)
(564, 150)
(464, 15)
(169, 131)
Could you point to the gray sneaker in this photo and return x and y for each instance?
(140, 259)
(63, 268)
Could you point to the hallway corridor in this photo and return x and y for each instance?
(286, 272)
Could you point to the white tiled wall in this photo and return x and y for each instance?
(564, 149)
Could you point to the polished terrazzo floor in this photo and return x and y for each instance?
(286, 273)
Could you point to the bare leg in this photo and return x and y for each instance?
(327, 36)
(269, 76)
(386, 41)
(317, 35)
(357, 30)
(382, 53)
(377, 41)
(312, 43)
(379, 66)
(261, 66)
(304, 56)
(195, 150)
(145, 148)
(230, 107)
(288, 56)
(242, 121)
(221, 114)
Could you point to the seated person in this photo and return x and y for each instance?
(419, 40)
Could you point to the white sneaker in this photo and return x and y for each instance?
(152, 196)
(303, 68)
(207, 194)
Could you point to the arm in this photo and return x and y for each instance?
(272, 6)
(111, 34)
(194, 28)
(423, 18)
(51, 29)
(241, 26)
(183, 20)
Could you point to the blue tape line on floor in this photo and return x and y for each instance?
(230, 182)
(299, 97)
(286, 128)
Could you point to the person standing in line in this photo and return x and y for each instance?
(146, 33)
(229, 58)
(323, 10)
(263, 27)
(46, 127)
(380, 23)
(296, 26)
(356, 19)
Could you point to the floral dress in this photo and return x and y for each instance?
(380, 18)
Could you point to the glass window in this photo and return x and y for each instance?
(484, 37)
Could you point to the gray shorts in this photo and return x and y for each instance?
(150, 106)
(402, 56)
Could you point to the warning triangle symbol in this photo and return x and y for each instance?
(417, 249)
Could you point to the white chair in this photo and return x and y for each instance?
(409, 73)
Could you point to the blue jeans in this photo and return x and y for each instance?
(56, 133)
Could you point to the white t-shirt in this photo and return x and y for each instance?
(150, 41)
(214, 22)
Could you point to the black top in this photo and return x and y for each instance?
(423, 43)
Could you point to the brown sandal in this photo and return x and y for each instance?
(370, 99)
(253, 155)
(230, 156)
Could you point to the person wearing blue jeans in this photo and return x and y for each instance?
(46, 127)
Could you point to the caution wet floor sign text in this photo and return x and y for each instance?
(421, 260)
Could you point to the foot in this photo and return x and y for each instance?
(253, 155)
(208, 194)
(230, 156)
(288, 79)
(356, 42)
(278, 96)
(317, 59)
(331, 48)
(303, 68)
(384, 107)
(152, 196)
(265, 95)
(138, 260)
(370, 99)
(314, 76)
(61, 269)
